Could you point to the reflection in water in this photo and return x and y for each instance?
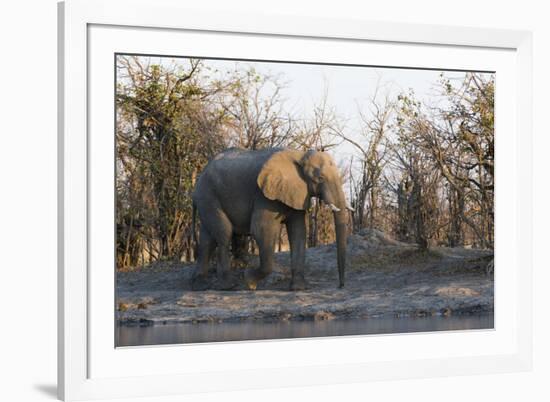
(239, 331)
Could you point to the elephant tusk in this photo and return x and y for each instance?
(348, 206)
(334, 208)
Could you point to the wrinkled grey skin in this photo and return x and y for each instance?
(243, 192)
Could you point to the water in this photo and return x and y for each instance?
(239, 331)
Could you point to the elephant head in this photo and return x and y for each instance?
(293, 177)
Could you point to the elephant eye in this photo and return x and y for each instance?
(317, 175)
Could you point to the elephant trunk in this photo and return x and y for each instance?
(336, 200)
(340, 224)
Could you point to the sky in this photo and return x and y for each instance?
(348, 87)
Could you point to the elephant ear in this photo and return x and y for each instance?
(281, 179)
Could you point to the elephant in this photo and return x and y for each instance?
(252, 192)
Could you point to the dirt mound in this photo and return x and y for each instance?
(377, 238)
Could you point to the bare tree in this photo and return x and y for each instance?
(257, 117)
(371, 150)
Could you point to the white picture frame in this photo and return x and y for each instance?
(89, 367)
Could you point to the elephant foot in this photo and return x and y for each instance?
(227, 282)
(199, 282)
(253, 276)
(298, 282)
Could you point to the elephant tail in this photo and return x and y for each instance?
(194, 228)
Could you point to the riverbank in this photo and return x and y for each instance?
(385, 278)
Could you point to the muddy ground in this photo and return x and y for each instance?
(384, 278)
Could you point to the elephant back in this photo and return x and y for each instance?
(233, 170)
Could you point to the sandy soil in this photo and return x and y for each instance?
(384, 278)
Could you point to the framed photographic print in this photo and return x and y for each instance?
(244, 204)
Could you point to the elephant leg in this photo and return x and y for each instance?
(222, 234)
(296, 229)
(226, 279)
(207, 245)
(265, 229)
